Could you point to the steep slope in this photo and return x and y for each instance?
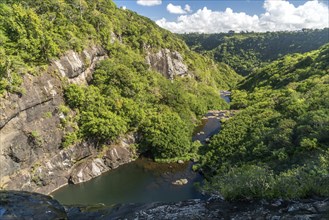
(245, 52)
(83, 82)
(278, 143)
(289, 69)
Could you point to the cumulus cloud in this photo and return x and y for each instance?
(279, 15)
(177, 9)
(187, 8)
(149, 2)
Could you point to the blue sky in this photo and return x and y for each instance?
(159, 11)
(223, 15)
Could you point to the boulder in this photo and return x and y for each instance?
(25, 205)
(180, 182)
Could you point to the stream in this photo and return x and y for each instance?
(143, 181)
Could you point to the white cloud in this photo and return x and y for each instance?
(175, 9)
(279, 15)
(187, 8)
(149, 2)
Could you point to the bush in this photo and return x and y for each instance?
(167, 135)
(246, 182)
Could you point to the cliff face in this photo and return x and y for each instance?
(76, 67)
(31, 131)
(169, 63)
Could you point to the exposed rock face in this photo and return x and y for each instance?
(113, 157)
(24, 205)
(78, 68)
(31, 133)
(77, 164)
(213, 208)
(168, 63)
(29, 124)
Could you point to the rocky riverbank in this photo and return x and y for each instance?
(25, 205)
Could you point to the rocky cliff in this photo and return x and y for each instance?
(169, 63)
(31, 128)
(31, 131)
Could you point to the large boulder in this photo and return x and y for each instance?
(24, 205)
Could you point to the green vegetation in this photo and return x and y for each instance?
(245, 52)
(278, 144)
(35, 138)
(125, 95)
(35, 31)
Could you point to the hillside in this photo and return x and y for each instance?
(85, 84)
(277, 145)
(245, 52)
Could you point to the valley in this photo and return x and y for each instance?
(113, 115)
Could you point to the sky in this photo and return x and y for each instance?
(215, 16)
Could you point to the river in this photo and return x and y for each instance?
(142, 181)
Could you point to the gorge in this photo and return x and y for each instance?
(88, 89)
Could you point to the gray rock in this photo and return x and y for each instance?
(277, 203)
(24, 205)
(31, 158)
(78, 68)
(169, 64)
(213, 208)
(2, 211)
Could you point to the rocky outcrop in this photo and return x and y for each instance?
(213, 208)
(31, 131)
(29, 124)
(24, 205)
(169, 64)
(78, 68)
(110, 158)
(77, 164)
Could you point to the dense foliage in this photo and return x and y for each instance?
(125, 95)
(33, 32)
(245, 52)
(278, 144)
